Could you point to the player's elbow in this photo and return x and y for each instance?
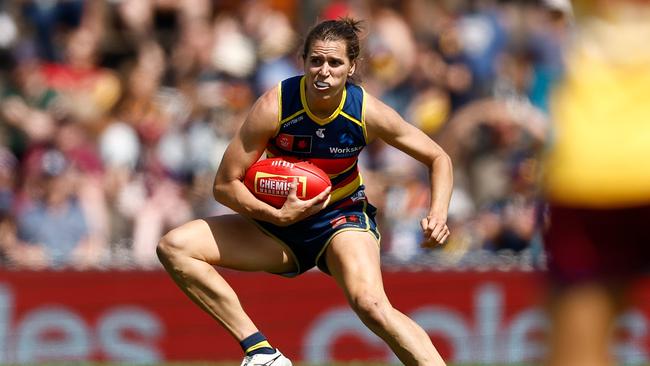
(442, 160)
(219, 192)
(220, 188)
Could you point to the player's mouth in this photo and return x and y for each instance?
(321, 85)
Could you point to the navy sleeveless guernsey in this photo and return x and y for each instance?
(333, 143)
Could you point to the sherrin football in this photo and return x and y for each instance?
(269, 180)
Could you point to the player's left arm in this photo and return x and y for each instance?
(385, 123)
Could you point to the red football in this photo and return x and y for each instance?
(269, 180)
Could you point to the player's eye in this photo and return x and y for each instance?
(316, 61)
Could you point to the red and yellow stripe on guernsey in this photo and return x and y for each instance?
(347, 185)
(343, 190)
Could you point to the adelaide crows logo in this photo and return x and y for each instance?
(294, 143)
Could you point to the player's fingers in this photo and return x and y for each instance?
(319, 202)
(326, 202)
(325, 194)
(293, 188)
(426, 228)
(444, 233)
(444, 238)
(436, 236)
(436, 228)
(320, 197)
(315, 206)
(424, 223)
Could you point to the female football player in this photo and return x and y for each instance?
(322, 117)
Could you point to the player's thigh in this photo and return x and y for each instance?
(231, 241)
(353, 260)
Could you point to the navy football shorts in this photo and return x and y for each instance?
(308, 239)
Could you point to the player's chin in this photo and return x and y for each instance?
(323, 93)
(329, 91)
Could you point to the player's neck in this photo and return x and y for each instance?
(323, 107)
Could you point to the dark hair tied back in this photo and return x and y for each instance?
(345, 29)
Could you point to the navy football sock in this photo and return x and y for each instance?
(256, 343)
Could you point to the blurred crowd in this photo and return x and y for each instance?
(114, 115)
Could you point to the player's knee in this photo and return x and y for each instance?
(170, 246)
(372, 310)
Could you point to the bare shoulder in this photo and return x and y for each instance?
(380, 119)
(249, 142)
(269, 100)
(264, 113)
(267, 104)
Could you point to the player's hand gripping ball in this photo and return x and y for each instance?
(269, 180)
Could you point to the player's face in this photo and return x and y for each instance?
(327, 68)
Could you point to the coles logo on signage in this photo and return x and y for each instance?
(141, 317)
(278, 185)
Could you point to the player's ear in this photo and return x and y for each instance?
(353, 67)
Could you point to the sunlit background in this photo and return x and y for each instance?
(114, 116)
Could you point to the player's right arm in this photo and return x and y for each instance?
(246, 147)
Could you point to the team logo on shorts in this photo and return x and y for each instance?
(343, 220)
